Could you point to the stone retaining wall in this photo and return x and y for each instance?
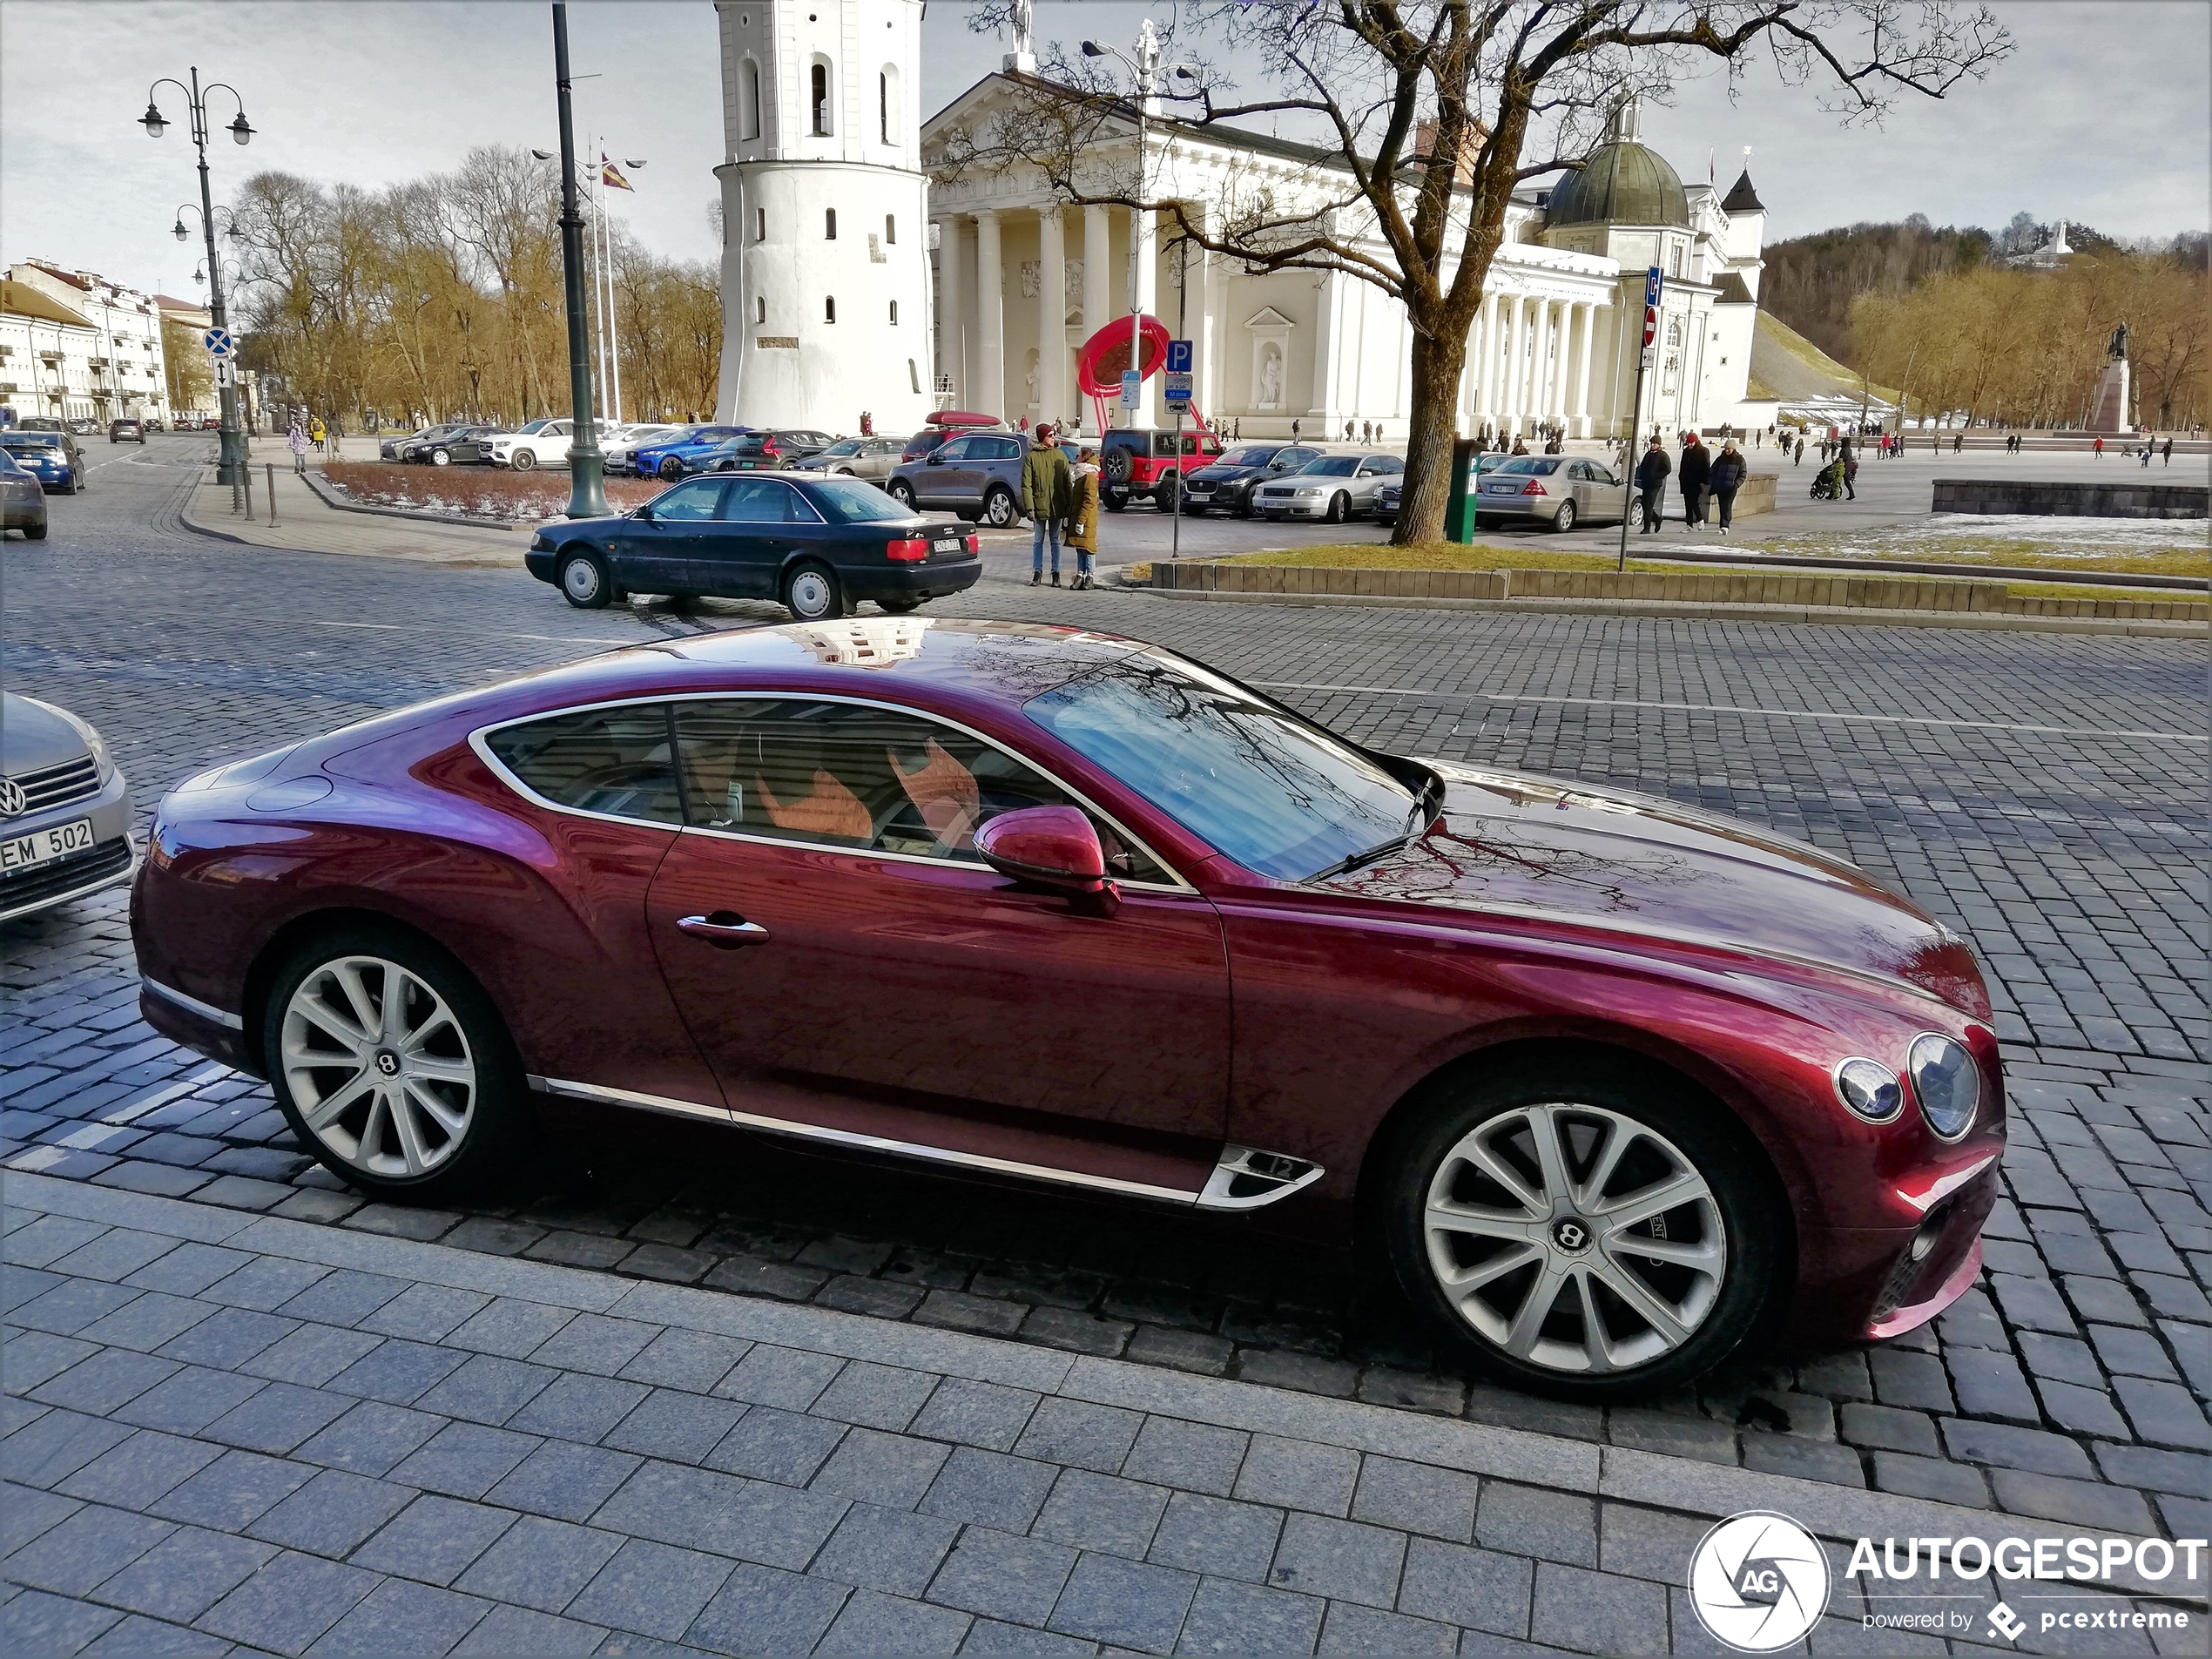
(2115, 500)
(1688, 587)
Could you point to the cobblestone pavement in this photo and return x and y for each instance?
(234, 1429)
(2041, 793)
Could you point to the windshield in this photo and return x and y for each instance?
(850, 447)
(1278, 795)
(533, 428)
(1332, 467)
(847, 500)
(1252, 455)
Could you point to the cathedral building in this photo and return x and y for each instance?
(995, 280)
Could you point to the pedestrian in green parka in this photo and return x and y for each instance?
(1048, 498)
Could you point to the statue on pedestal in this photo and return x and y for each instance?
(2116, 350)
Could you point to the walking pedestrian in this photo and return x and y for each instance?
(1083, 522)
(1726, 477)
(2169, 452)
(296, 440)
(316, 432)
(1047, 497)
(2099, 447)
(1651, 479)
(1959, 442)
(1799, 455)
(1294, 431)
(1850, 472)
(1691, 475)
(2148, 447)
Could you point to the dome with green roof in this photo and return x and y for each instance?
(1621, 182)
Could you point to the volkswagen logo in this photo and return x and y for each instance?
(388, 1062)
(1570, 1234)
(13, 801)
(1759, 1582)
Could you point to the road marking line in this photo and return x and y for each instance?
(1732, 708)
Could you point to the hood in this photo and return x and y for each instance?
(1231, 475)
(35, 734)
(1509, 842)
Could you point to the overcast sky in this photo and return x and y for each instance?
(2104, 115)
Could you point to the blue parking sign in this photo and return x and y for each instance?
(1178, 357)
(1653, 281)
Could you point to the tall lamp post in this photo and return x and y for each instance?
(587, 467)
(231, 468)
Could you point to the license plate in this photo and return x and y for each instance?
(1501, 489)
(40, 845)
(949, 546)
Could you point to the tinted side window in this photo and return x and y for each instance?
(956, 450)
(1004, 448)
(856, 776)
(691, 502)
(616, 761)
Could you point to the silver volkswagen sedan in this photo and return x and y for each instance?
(64, 809)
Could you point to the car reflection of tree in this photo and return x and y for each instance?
(1452, 858)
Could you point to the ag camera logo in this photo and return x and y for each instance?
(1759, 1581)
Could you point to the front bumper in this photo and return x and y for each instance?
(108, 860)
(1295, 508)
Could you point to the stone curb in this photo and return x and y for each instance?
(324, 490)
(1680, 611)
(1683, 1485)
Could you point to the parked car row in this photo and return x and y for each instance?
(50, 457)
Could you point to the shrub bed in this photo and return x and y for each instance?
(472, 492)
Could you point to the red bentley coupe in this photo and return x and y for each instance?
(1606, 1078)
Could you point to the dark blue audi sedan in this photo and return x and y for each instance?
(50, 457)
(819, 545)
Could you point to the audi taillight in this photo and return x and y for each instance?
(910, 551)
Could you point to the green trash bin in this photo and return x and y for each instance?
(1460, 509)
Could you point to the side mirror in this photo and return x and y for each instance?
(1048, 847)
(644, 515)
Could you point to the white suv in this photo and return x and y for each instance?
(540, 443)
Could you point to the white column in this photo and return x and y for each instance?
(951, 307)
(1555, 369)
(1315, 427)
(1486, 375)
(1198, 310)
(1144, 296)
(1516, 358)
(990, 317)
(1586, 338)
(1098, 258)
(1052, 400)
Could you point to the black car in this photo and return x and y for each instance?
(419, 446)
(1229, 482)
(819, 545)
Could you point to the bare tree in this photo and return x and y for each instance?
(1505, 89)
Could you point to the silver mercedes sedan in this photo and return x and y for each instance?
(64, 809)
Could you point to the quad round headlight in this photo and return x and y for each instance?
(1870, 1089)
(1947, 1081)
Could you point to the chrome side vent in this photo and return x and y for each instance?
(1245, 1178)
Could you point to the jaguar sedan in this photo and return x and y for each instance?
(819, 545)
(64, 809)
(1604, 1079)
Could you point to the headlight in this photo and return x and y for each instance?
(1870, 1089)
(104, 760)
(541, 544)
(1947, 1082)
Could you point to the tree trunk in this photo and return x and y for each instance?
(1440, 358)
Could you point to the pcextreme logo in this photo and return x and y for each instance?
(1759, 1581)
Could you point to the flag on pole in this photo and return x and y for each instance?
(1712, 176)
(611, 175)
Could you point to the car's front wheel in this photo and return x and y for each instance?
(1340, 507)
(811, 593)
(671, 469)
(584, 582)
(999, 510)
(391, 1065)
(444, 458)
(1593, 1233)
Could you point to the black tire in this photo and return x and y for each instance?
(1168, 493)
(1245, 507)
(585, 580)
(902, 492)
(1563, 520)
(813, 593)
(671, 469)
(521, 460)
(1754, 1223)
(1119, 466)
(443, 457)
(1340, 507)
(1116, 503)
(494, 1130)
(34, 532)
(999, 510)
(900, 606)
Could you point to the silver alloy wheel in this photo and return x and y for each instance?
(580, 580)
(811, 596)
(1575, 1238)
(378, 1066)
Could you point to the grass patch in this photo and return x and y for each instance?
(474, 492)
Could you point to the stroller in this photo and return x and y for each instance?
(1828, 483)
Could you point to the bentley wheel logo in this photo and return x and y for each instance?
(1570, 1234)
(13, 801)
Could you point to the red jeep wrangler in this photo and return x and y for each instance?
(1137, 463)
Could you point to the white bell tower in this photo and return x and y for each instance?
(826, 302)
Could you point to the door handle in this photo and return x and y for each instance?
(724, 929)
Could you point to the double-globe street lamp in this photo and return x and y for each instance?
(230, 467)
(230, 234)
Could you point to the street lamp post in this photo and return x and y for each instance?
(587, 491)
(231, 468)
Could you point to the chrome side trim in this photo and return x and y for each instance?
(866, 1142)
(192, 1004)
(478, 741)
(1257, 1165)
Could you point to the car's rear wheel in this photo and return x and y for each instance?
(1116, 500)
(1564, 519)
(391, 1065)
(902, 492)
(999, 510)
(1591, 1233)
(1340, 507)
(670, 468)
(811, 593)
(584, 582)
(34, 532)
(1168, 493)
(521, 461)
